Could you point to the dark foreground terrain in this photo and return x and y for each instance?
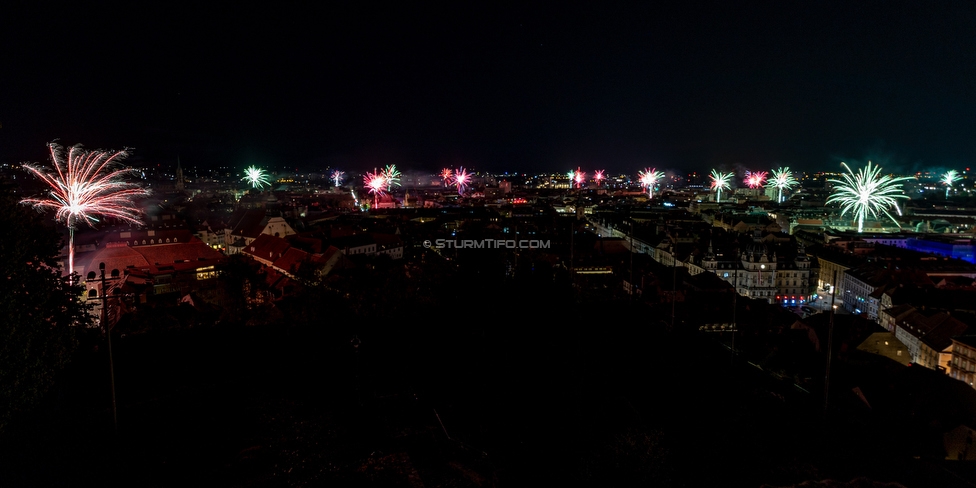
(604, 399)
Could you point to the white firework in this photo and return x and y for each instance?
(949, 178)
(720, 181)
(868, 193)
(256, 177)
(783, 180)
(649, 178)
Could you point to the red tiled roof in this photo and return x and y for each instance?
(153, 236)
(267, 247)
(290, 261)
(327, 255)
(114, 257)
(313, 244)
(182, 256)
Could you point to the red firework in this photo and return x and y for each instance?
(578, 177)
(755, 179)
(376, 183)
(461, 179)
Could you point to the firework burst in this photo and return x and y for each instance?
(755, 179)
(447, 175)
(598, 176)
(949, 178)
(337, 177)
(461, 180)
(783, 180)
(649, 178)
(392, 176)
(86, 185)
(376, 183)
(256, 177)
(720, 181)
(867, 192)
(579, 177)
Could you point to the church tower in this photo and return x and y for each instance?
(180, 182)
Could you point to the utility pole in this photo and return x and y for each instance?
(108, 337)
(572, 246)
(631, 260)
(830, 343)
(735, 296)
(674, 287)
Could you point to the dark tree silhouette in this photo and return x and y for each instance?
(42, 313)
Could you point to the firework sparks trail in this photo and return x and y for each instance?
(461, 180)
(578, 177)
(949, 178)
(867, 192)
(337, 177)
(392, 176)
(649, 178)
(783, 180)
(755, 179)
(720, 181)
(355, 199)
(598, 176)
(447, 175)
(86, 185)
(256, 177)
(376, 183)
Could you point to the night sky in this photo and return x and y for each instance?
(528, 88)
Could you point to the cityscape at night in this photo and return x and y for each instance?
(676, 245)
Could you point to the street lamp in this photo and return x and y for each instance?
(108, 337)
(830, 347)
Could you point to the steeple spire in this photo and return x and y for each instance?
(180, 182)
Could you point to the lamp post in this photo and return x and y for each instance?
(830, 344)
(108, 338)
(631, 260)
(674, 288)
(735, 296)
